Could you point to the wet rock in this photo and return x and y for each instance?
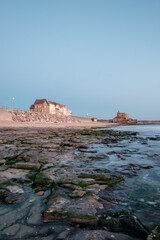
(41, 193)
(15, 198)
(12, 230)
(11, 217)
(56, 209)
(15, 189)
(94, 235)
(96, 188)
(2, 161)
(155, 235)
(25, 231)
(41, 182)
(50, 237)
(14, 174)
(27, 166)
(78, 193)
(63, 235)
(35, 214)
(122, 222)
(71, 186)
(4, 210)
(42, 146)
(75, 211)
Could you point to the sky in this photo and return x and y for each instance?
(95, 56)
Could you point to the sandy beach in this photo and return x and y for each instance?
(15, 119)
(73, 125)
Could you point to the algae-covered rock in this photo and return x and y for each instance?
(27, 166)
(78, 193)
(41, 181)
(74, 211)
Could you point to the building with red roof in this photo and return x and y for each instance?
(44, 106)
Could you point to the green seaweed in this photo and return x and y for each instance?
(26, 167)
(80, 216)
(41, 180)
(96, 157)
(102, 179)
(43, 161)
(94, 176)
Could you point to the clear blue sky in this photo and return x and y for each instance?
(95, 56)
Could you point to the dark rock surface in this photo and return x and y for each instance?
(94, 235)
(54, 184)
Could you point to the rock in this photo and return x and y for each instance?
(11, 217)
(27, 166)
(50, 237)
(77, 211)
(2, 161)
(71, 186)
(15, 198)
(11, 173)
(15, 189)
(78, 193)
(63, 235)
(56, 209)
(155, 234)
(35, 214)
(121, 222)
(94, 235)
(96, 188)
(41, 193)
(4, 210)
(12, 230)
(24, 232)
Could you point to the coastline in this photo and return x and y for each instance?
(73, 125)
(69, 125)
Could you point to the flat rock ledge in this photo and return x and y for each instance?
(75, 211)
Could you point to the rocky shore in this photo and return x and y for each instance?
(51, 187)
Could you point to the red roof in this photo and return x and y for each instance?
(40, 101)
(55, 103)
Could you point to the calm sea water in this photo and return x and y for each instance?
(143, 130)
(140, 193)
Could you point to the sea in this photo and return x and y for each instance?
(138, 161)
(141, 193)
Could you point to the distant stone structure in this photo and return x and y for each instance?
(44, 106)
(123, 118)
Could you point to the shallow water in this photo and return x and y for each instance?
(141, 190)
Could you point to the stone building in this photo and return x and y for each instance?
(123, 118)
(44, 106)
(40, 105)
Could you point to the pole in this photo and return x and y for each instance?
(13, 102)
